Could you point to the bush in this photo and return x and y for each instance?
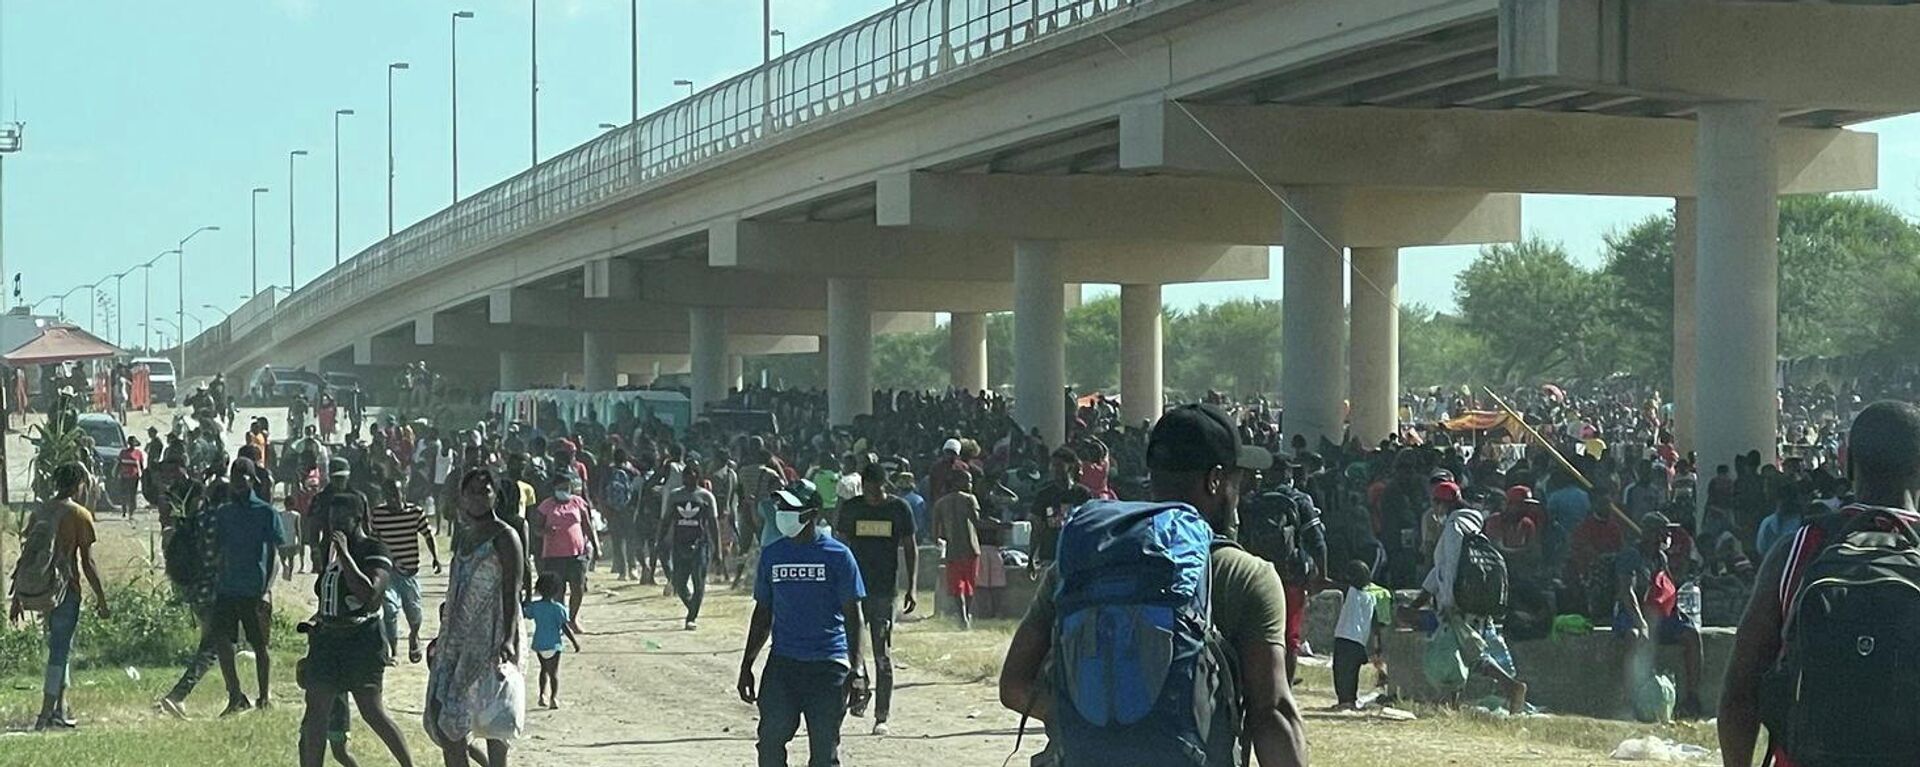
(149, 627)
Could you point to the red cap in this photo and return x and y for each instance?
(567, 444)
(1446, 492)
(1519, 494)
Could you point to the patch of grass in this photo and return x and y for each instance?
(148, 628)
(939, 645)
(120, 728)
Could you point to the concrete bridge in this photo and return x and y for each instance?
(974, 156)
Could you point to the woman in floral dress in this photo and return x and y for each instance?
(479, 628)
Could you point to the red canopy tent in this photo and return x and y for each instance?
(60, 343)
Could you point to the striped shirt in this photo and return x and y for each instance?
(400, 529)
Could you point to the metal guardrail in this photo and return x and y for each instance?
(887, 54)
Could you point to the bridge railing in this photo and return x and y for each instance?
(887, 54)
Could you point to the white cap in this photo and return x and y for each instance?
(951, 446)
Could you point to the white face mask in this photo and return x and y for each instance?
(563, 495)
(788, 523)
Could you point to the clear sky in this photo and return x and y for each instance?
(148, 119)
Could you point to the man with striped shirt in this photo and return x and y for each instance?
(400, 526)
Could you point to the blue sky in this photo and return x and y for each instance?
(148, 119)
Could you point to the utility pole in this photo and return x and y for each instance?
(533, 38)
(454, 87)
(391, 68)
(290, 227)
(633, 41)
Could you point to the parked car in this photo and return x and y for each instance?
(339, 384)
(277, 386)
(108, 440)
(161, 384)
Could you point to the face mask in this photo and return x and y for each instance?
(563, 495)
(789, 523)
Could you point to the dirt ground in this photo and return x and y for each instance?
(645, 692)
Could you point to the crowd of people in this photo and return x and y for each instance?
(1584, 502)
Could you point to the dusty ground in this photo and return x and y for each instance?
(644, 692)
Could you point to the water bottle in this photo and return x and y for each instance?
(1689, 602)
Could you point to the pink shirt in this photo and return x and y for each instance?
(562, 522)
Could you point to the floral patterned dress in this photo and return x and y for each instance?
(469, 644)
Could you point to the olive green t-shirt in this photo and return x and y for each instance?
(1247, 600)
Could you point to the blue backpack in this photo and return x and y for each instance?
(619, 491)
(1140, 674)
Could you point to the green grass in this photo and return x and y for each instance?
(119, 725)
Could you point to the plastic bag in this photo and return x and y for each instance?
(1657, 749)
(1444, 668)
(1653, 698)
(502, 700)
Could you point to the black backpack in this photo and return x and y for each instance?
(1480, 577)
(186, 560)
(1270, 528)
(1843, 691)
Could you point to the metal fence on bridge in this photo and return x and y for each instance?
(885, 55)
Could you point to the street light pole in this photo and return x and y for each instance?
(454, 86)
(633, 41)
(391, 68)
(533, 92)
(257, 191)
(337, 114)
(290, 227)
(181, 287)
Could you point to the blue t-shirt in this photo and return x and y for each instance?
(808, 585)
(246, 535)
(547, 616)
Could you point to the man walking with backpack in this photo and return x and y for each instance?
(192, 553)
(1282, 525)
(1468, 587)
(1823, 655)
(1225, 607)
(56, 549)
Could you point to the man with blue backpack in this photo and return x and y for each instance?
(1156, 640)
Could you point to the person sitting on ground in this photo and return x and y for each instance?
(1195, 457)
(1479, 638)
(1649, 609)
(1844, 709)
(1360, 634)
(549, 618)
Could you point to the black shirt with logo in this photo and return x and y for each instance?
(874, 533)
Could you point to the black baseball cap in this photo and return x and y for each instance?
(1200, 437)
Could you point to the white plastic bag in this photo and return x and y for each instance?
(502, 704)
(1657, 749)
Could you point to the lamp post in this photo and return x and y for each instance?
(607, 126)
(337, 114)
(454, 86)
(633, 42)
(533, 90)
(290, 156)
(782, 37)
(120, 307)
(181, 288)
(391, 68)
(255, 237)
(688, 84)
(146, 294)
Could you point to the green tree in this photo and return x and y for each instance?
(1232, 346)
(1532, 307)
(1093, 345)
(1438, 350)
(916, 361)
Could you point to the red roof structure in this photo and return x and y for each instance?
(60, 343)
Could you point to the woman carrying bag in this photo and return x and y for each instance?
(474, 685)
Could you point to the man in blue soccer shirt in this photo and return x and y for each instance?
(807, 594)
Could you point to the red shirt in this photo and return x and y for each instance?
(132, 461)
(1514, 531)
(1591, 539)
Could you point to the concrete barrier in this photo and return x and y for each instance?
(1583, 675)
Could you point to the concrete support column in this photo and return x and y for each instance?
(708, 328)
(1736, 308)
(736, 371)
(516, 370)
(1311, 372)
(1686, 324)
(597, 349)
(1142, 386)
(1039, 340)
(849, 350)
(1373, 383)
(967, 351)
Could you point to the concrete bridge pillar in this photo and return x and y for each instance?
(1311, 372)
(1142, 386)
(1736, 306)
(1686, 350)
(708, 326)
(598, 351)
(1039, 340)
(849, 350)
(516, 370)
(1373, 384)
(967, 351)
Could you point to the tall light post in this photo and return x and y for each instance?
(454, 87)
(782, 37)
(337, 114)
(62, 298)
(633, 42)
(180, 258)
(533, 57)
(687, 84)
(391, 68)
(290, 156)
(146, 293)
(607, 126)
(120, 307)
(255, 237)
